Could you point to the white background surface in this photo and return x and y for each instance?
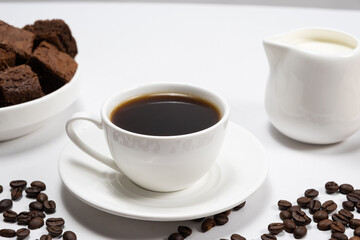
(212, 45)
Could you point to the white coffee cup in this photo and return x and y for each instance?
(157, 163)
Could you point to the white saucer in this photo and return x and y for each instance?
(238, 172)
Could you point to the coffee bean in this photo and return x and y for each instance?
(37, 206)
(356, 191)
(331, 187)
(358, 207)
(18, 184)
(339, 236)
(10, 216)
(38, 184)
(46, 237)
(5, 204)
(337, 227)
(346, 214)
(36, 213)
(7, 233)
(285, 214)
(175, 236)
(336, 217)
(324, 225)
(227, 213)
(57, 222)
(329, 206)
(36, 223)
(300, 232)
(240, 206)
(268, 237)
(354, 223)
(16, 193)
(236, 236)
(348, 205)
(55, 231)
(311, 193)
(49, 206)
(32, 192)
(185, 231)
(1, 188)
(357, 232)
(42, 197)
(208, 224)
(275, 228)
(354, 197)
(355, 238)
(300, 218)
(69, 235)
(22, 233)
(284, 204)
(23, 218)
(314, 206)
(289, 226)
(303, 202)
(294, 208)
(346, 188)
(320, 215)
(221, 219)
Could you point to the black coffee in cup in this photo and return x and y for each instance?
(165, 114)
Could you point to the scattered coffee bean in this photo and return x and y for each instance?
(354, 223)
(46, 237)
(346, 188)
(37, 206)
(285, 214)
(23, 218)
(1, 188)
(356, 191)
(36, 213)
(69, 235)
(221, 219)
(275, 228)
(7, 233)
(348, 205)
(329, 206)
(357, 232)
(354, 197)
(5, 204)
(236, 236)
(240, 206)
(336, 217)
(42, 197)
(303, 202)
(314, 206)
(324, 225)
(355, 238)
(185, 231)
(55, 231)
(339, 236)
(16, 193)
(294, 208)
(175, 236)
(358, 207)
(289, 226)
(60, 222)
(320, 215)
(300, 232)
(36, 223)
(10, 216)
(38, 184)
(284, 204)
(331, 187)
(208, 224)
(22, 233)
(311, 193)
(346, 214)
(49, 206)
(32, 192)
(300, 218)
(18, 184)
(227, 213)
(337, 227)
(268, 237)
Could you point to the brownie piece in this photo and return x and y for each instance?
(18, 40)
(18, 84)
(56, 32)
(7, 59)
(54, 68)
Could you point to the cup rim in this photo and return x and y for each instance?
(224, 118)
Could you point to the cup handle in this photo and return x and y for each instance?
(70, 130)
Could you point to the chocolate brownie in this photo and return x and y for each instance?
(18, 40)
(18, 84)
(54, 68)
(7, 59)
(56, 32)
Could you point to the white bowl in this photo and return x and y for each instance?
(21, 119)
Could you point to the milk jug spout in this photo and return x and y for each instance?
(275, 51)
